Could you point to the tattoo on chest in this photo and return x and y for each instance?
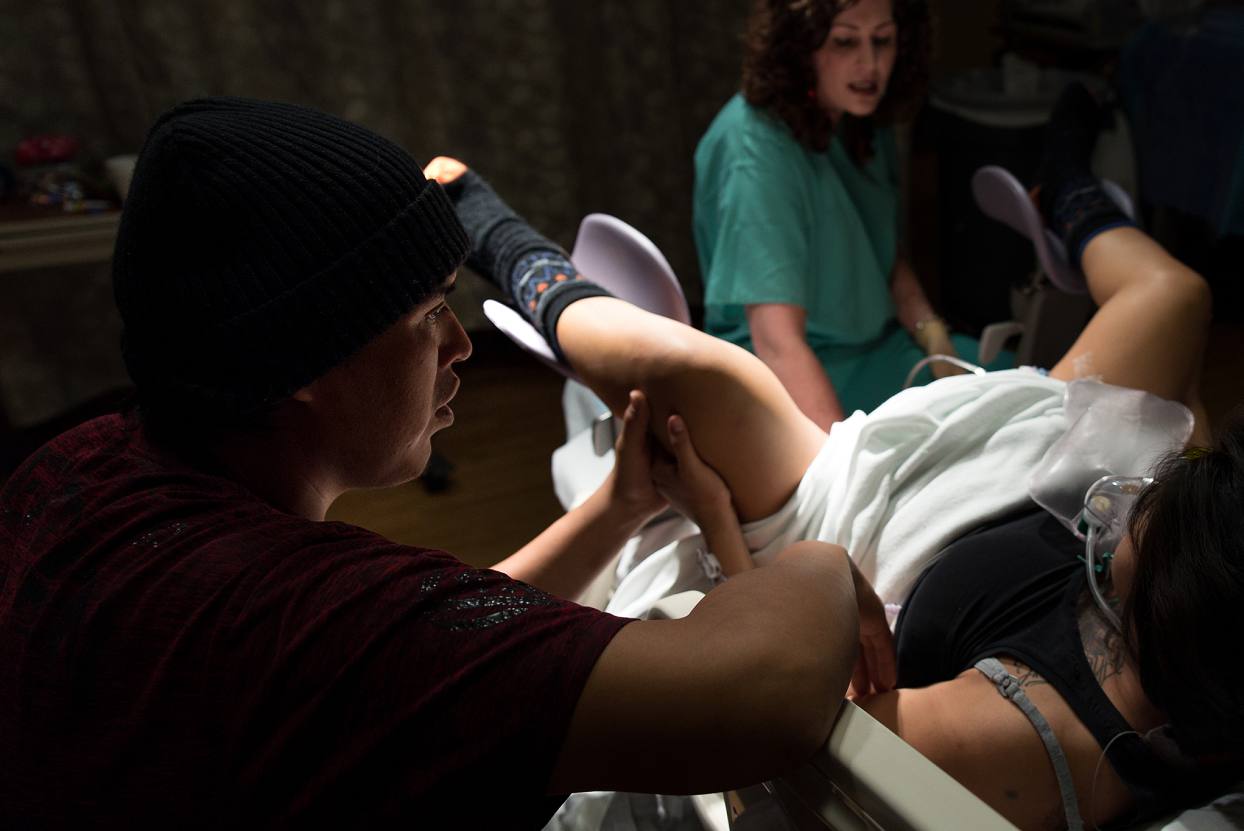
(1103, 645)
(1024, 675)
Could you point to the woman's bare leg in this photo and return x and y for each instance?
(1149, 331)
(740, 418)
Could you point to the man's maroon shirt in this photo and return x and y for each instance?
(174, 649)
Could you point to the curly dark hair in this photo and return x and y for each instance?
(781, 37)
(1183, 615)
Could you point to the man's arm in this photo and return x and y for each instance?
(778, 337)
(567, 555)
(744, 688)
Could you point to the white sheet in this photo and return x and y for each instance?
(893, 486)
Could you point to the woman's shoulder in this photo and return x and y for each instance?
(744, 132)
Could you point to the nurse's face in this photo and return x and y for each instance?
(854, 63)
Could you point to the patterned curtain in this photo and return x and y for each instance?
(568, 106)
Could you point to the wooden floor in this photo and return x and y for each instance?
(508, 421)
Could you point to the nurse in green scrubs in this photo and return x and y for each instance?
(797, 205)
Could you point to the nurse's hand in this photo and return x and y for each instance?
(933, 337)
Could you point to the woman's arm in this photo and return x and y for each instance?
(779, 339)
(918, 318)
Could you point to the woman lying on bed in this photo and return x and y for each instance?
(1161, 699)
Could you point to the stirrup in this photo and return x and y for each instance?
(619, 259)
(1000, 196)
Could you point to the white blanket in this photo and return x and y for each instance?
(893, 486)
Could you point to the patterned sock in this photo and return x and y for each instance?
(1081, 211)
(1072, 200)
(533, 271)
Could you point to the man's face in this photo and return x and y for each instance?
(379, 408)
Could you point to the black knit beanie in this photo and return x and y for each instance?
(262, 244)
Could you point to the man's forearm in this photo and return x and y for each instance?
(742, 689)
(565, 557)
(808, 589)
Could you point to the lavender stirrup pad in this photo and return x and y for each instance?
(1000, 196)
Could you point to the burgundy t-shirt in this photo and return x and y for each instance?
(174, 649)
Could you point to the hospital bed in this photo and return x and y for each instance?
(865, 778)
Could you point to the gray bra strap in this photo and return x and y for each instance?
(1010, 689)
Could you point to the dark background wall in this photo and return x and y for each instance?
(568, 106)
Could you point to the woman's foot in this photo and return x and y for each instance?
(534, 272)
(1000, 196)
(1072, 200)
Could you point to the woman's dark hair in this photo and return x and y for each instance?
(1184, 616)
(778, 73)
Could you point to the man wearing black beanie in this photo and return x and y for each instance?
(186, 641)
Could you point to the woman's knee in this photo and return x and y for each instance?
(1186, 292)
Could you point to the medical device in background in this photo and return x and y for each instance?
(1112, 431)
(1103, 524)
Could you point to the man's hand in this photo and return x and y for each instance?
(633, 489)
(876, 667)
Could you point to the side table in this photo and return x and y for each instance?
(34, 240)
(31, 238)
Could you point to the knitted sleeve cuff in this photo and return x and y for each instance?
(499, 237)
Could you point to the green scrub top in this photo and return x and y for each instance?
(778, 223)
